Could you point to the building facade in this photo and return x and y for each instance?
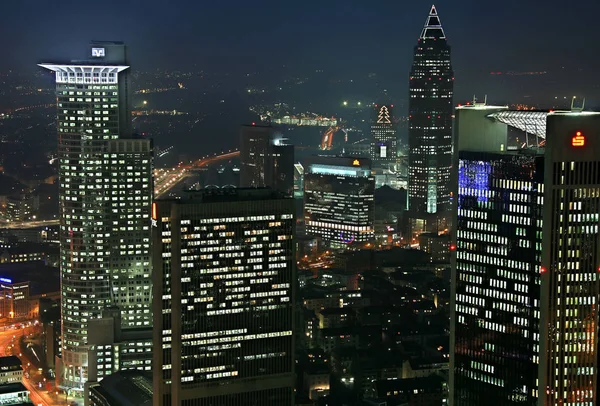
(496, 245)
(224, 274)
(430, 130)
(105, 191)
(384, 142)
(15, 298)
(11, 370)
(570, 261)
(112, 348)
(525, 284)
(497, 283)
(129, 171)
(266, 160)
(338, 200)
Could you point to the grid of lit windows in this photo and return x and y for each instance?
(105, 192)
(131, 355)
(129, 165)
(497, 283)
(226, 273)
(573, 284)
(338, 203)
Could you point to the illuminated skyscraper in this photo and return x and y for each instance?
(105, 192)
(525, 282)
(338, 200)
(430, 129)
(570, 261)
(384, 144)
(224, 277)
(495, 279)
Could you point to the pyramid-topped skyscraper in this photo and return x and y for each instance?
(430, 130)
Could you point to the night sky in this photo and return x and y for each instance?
(485, 35)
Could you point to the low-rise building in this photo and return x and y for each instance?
(316, 381)
(336, 317)
(423, 367)
(427, 391)
(30, 252)
(14, 299)
(19, 207)
(436, 245)
(12, 394)
(11, 369)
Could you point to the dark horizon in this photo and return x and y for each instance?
(332, 35)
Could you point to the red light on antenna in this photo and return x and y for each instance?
(253, 123)
(578, 140)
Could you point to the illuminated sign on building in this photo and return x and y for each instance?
(5, 280)
(356, 162)
(98, 52)
(578, 140)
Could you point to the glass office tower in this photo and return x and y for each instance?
(224, 278)
(430, 141)
(571, 261)
(338, 200)
(525, 279)
(105, 192)
(497, 283)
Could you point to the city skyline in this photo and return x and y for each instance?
(267, 204)
(510, 51)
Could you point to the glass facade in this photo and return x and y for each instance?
(430, 122)
(225, 270)
(338, 202)
(497, 278)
